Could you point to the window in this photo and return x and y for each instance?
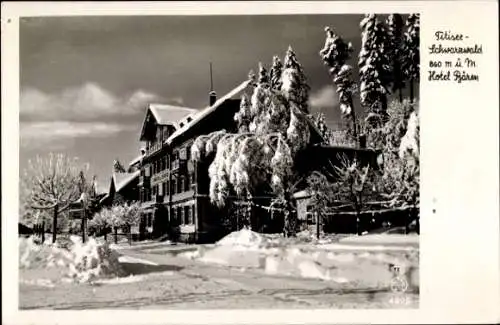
(160, 189)
(180, 214)
(187, 215)
(191, 178)
(174, 216)
(167, 188)
(188, 183)
(181, 185)
(150, 220)
(191, 214)
(154, 190)
(174, 186)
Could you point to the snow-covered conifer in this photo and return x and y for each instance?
(335, 54)
(294, 83)
(260, 157)
(411, 62)
(395, 25)
(374, 68)
(118, 167)
(276, 72)
(243, 116)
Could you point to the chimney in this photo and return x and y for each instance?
(212, 97)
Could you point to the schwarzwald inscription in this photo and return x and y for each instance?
(453, 58)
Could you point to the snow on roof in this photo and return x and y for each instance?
(104, 198)
(169, 114)
(135, 160)
(208, 110)
(122, 179)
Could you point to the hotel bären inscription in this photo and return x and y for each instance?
(454, 58)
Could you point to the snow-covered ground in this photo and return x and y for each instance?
(243, 270)
(366, 260)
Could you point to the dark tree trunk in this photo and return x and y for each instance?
(105, 234)
(116, 235)
(290, 226)
(411, 90)
(130, 235)
(400, 95)
(354, 124)
(54, 223)
(317, 225)
(407, 223)
(42, 231)
(417, 223)
(84, 219)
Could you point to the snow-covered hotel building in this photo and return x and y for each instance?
(174, 190)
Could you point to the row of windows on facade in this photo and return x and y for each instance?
(183, 184)
(164, 132)
(181, 215)
(166, 163)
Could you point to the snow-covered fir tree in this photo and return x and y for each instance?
(323, 128)
(411, 66)
(374, 69)
(261, 158)
(276, 72)
(294, 83)
(395, 24)
(118, 167)
(335, 54)
(243, 116)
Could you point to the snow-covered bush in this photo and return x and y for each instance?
(93, 260)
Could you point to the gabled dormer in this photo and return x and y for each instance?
(161, 121)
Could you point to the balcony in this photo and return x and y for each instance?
(160, 177)
(183, 196)
(154, 148)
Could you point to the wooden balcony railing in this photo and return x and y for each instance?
(160, 177)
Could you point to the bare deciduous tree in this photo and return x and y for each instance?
(51, 183)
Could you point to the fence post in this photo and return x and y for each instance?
(317, 225)
(43, 231)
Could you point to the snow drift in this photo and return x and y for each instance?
(82, 262)
(358, 263)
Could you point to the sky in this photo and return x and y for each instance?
(85, 81)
